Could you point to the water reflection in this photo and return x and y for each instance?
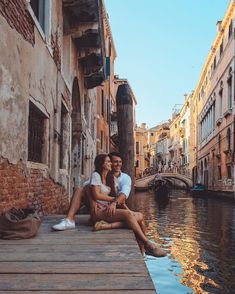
(200, 234)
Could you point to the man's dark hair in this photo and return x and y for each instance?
(114, 154)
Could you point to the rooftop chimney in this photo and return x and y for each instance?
(218, 25)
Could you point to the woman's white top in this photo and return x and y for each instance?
(95, 180)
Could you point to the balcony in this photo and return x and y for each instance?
(79, 12)
(219, 121)
(113, 116)
(83, 21)
(228, 112)
(182, 132)
(171, 150)
(89, 39)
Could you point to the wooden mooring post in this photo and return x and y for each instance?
(125, 121)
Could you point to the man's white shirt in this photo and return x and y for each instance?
(123, 184)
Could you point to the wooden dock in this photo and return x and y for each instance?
(75, 261)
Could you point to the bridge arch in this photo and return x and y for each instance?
(142, 184)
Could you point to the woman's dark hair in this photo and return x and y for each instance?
(99, 162)
(111, 184)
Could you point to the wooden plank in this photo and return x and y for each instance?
(70, 255)
(99, 240)
(73, 248)
(26, 282)
(74, 267)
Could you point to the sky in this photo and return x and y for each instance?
(161, 49)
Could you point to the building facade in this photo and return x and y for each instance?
(106, 100)
(48, 100)
(214, 97)
(141, 150)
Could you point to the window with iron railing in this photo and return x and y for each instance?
(36, 134)
(63, 132)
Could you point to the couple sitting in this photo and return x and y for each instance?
(107, 191)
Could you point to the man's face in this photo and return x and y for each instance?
(116, 164)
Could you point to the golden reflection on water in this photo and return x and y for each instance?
(198, 235)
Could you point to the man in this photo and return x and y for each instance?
(122, 183)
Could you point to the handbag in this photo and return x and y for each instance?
(19, 224)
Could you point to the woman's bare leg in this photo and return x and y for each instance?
(128, 218)
(102, 225)
(75, 203)
(140, 219)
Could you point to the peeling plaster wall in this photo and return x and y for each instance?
(32, 73)
(40, 69)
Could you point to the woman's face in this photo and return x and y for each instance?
(107, 164)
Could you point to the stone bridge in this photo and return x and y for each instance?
(142, 184)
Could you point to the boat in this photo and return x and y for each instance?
(198, 190)
(160, 187)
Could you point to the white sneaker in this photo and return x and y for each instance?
(64, 224)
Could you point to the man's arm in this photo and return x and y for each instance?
(125, 189)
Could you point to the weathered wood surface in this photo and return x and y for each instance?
(75, 261)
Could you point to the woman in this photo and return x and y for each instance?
(103, 193)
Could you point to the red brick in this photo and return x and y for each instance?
(15, 13)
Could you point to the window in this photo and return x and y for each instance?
(229, 83)
(229, 172)
(82, 156)
(107, 67)
(214, 63)
(221, 49)
(38, 7)
(219, 173)
(107, 144)
(230, 30)
(228, 139)
(102, 102)
(220, 101)
(152, 134)
(36, 134)
(107, 109)
(101, 140)
(87, 112)
(63, 129)
(137, 147)
(137, 163)
(219, 144)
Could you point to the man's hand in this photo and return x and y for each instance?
(111, 209)
(124, 206)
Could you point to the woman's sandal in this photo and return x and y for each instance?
(151, 248)
(101, 225)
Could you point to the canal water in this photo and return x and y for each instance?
(200, 237)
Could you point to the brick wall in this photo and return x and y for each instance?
(18, 18)
(21, 187)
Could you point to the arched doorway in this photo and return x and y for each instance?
(76, 155)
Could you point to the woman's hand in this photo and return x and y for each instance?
(111, 209)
